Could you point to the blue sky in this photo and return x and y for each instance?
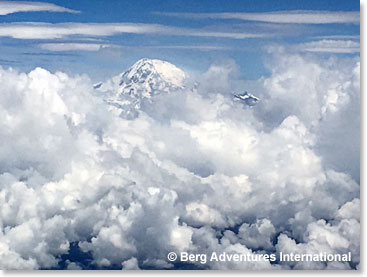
(102, 38)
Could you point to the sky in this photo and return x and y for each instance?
(103, 38)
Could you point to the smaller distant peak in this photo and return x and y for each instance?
(98, 85)
(248, 98)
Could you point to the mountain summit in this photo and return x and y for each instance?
(148, 77)
(143, 80)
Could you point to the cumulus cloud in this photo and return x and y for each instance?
(257, 235)
(341, 236)
(292, 16)
(8, 7)
(325, 97)
(195, 171)
(219, 77)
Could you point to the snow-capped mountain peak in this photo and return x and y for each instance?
(146, 68)
(143, 80)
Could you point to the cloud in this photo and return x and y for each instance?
(8, 7)
(341, 37)
(257, 235)
(322, 100)
(331, 46)
(90, 46)
(194, 47)
(35, 30)
(194, 171)
(294, 16)
(323, 237)
(219, 77)
(72, 46)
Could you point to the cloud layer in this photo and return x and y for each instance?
(73, 46)
(8, 7)
(193, 172)
(331, 46)
(41, 30)
(293, 16)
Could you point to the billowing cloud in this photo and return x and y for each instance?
(292, 16)
(195, 171)
(8, 7)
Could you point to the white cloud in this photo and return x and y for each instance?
(36, 30)
(131, 264)
(193, 47)
(322, 237)
(73, 46)
(331, 46)
(325, 96)
(257, 235)
(184, 174)
(97, 46)
(342, 37)
(293, 16)
(8, 7)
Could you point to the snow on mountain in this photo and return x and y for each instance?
(143, 80)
